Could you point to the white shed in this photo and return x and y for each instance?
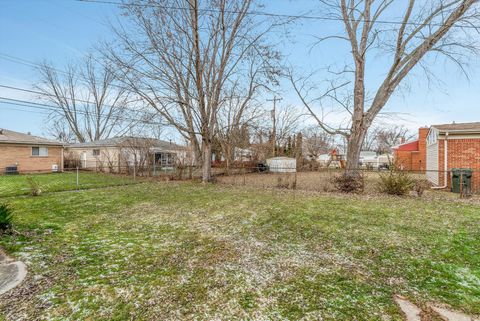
(282, 164)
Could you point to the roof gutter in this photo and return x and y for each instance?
(31, 143)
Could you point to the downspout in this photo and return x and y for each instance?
(445, 167)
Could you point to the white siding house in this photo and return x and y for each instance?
(432, 156)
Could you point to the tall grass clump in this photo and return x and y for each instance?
(6, 217)
(35, 188)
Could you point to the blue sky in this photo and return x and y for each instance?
(64, 30)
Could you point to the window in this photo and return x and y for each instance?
(96, 152)
(39, 151)
(165, 159)
(432, 137)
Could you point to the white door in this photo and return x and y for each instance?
(84, 159)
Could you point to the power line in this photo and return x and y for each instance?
(32, 64)
(52, 108)
(52, 95)
(22, 110)
(270, 14)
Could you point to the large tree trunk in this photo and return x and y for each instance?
(197, 152)
(354, 147)
(206, 161)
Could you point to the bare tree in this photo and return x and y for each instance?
(136, 155)
(288, 121)
(60, 131)
(182, 55)
(316, 142)
(89, 104)
(241, 107)
(427, 27)
(381, 139)
(386, 138)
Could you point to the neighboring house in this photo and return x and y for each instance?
(411, 155)
(115, 154)
(28, 153)
(242, 154)
(368, 158)
(442, 148)
(372, 160)
(282, 164)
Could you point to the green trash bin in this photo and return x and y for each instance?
(461, 180)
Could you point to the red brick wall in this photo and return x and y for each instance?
(414, 160)
(403, 159)
(465, 153)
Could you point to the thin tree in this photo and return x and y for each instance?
(427, 27)
(242, 109)
(181, 56)
(90, 106)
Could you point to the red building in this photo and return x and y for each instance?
(441, 148)
(412, 155)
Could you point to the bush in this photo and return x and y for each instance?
(6, 217)
(349, 182)
(420, 186)
(395, 182)
(35, 189)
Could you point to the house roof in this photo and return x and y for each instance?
(408, 146)
(11, 137)
(128, 141)
(459, 127)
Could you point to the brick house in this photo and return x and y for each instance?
(441, 148)
(411, 155)
(28, 153)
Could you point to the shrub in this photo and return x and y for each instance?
(420, 186)
(395, 182)
(35, 189)
(349, 182)
(6, 217)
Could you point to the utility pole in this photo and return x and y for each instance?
(274, 130)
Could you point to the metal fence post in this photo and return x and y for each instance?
(154, 166)
(243, 171)
(134, 170)
(77, 177)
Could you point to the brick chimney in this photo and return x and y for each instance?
(422, 146)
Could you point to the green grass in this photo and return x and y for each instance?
(12, 185)
(186, 251)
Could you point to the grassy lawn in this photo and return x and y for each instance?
(11, 185)
(159, 251)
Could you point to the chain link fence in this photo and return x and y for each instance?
(318, 179)
(324, 179)
(70, 179)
